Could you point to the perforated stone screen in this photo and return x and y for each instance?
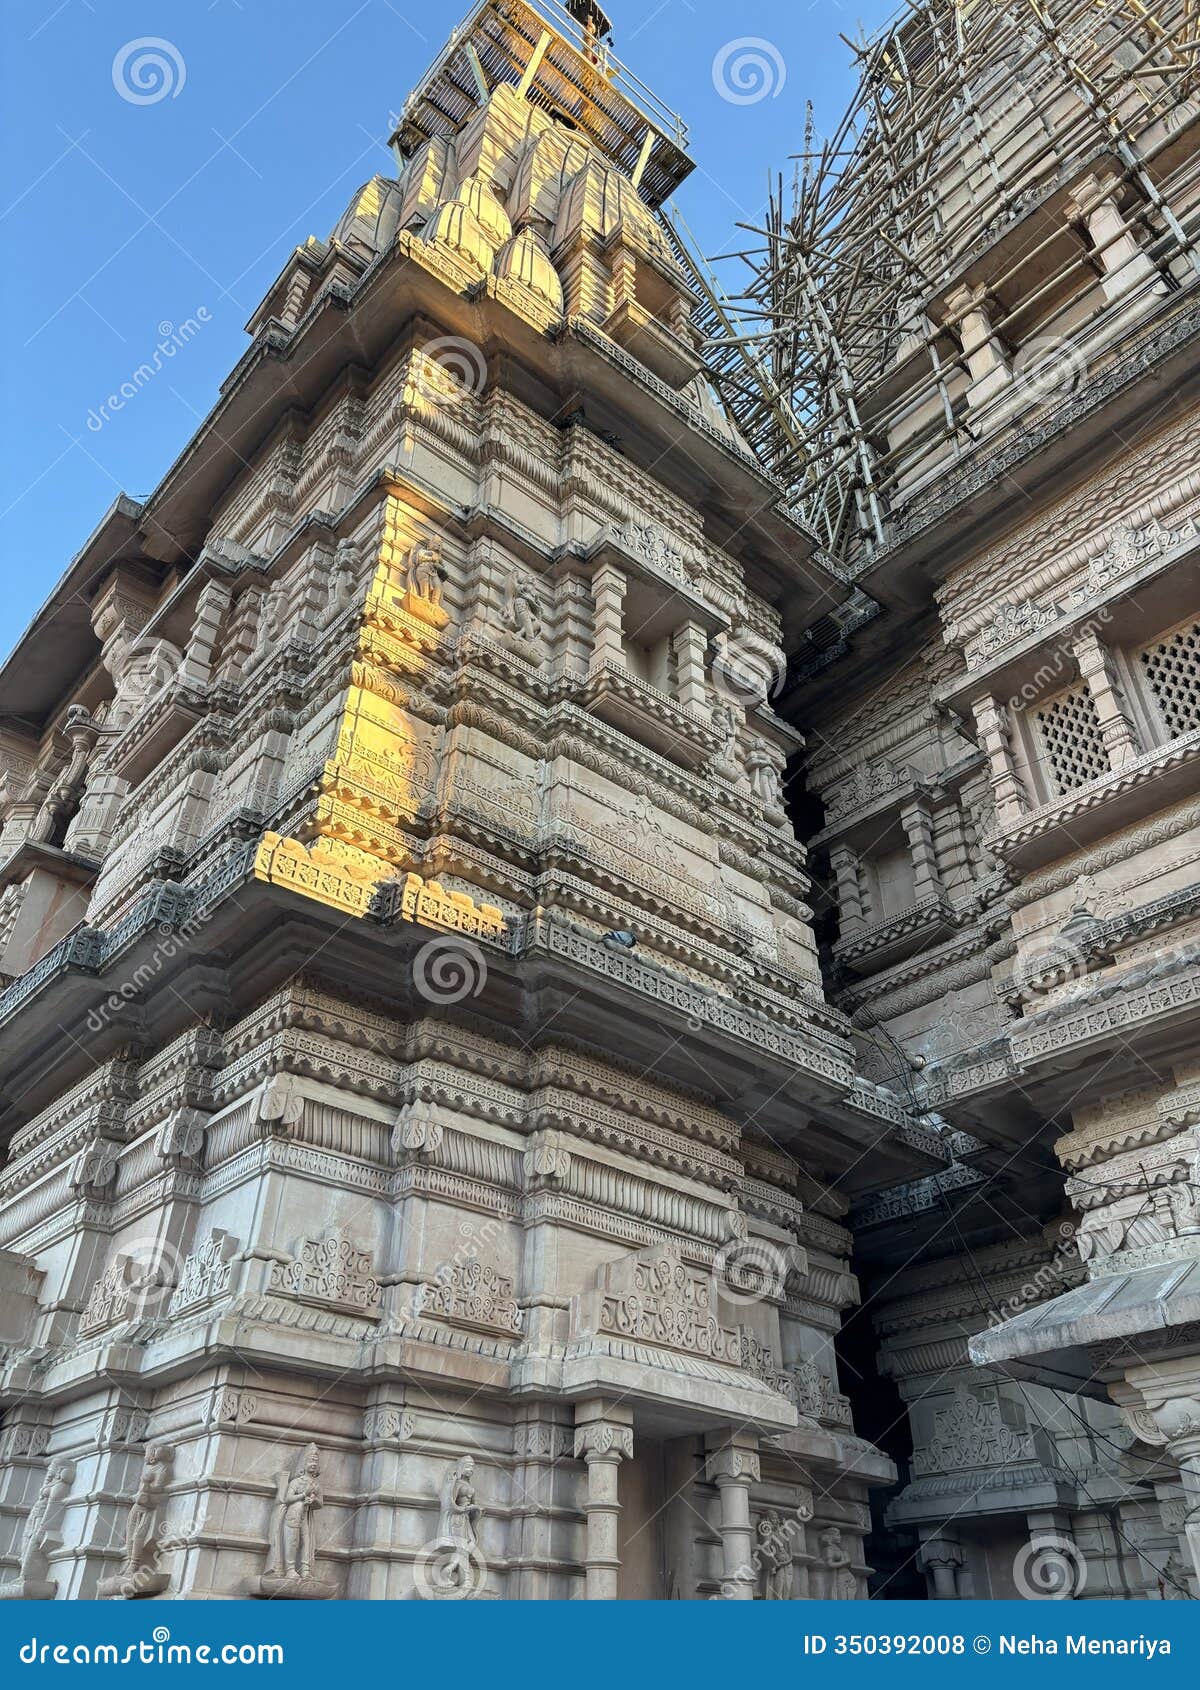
(1070, 735)
(1172, 667)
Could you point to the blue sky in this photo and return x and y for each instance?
(122, 220)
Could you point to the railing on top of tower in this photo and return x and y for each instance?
(560, 59)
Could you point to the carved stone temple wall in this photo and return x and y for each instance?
(459, 1121)
(426, 1131)
(1000, 786)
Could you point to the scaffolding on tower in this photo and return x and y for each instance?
(956, 199)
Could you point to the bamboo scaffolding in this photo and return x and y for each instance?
(842, 360)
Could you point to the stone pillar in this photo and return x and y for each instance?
(844, 863)
(608, 601)
(918, 826)
(1179, 1421)
(731, 1463)
(1008, 795)
(1095, 665)
(690, 644)
(603, 1439)
(941, 1557)
(1094, 204)
(1052, 1540)
(984, 354)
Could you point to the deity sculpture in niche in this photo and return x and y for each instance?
(776, 1550)
(291, 1550)
(343, 578)
(457, 1563)
(424, 578)
(727, 721)
(140, 1574)
(523, 627)
(841, 1584)
(43, 1534)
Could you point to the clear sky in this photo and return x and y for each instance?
(141, 197)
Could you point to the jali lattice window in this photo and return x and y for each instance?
(1071, 738)
(1172, 668)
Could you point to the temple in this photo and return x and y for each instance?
(598, 898)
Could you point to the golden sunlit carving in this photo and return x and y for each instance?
(384, 763)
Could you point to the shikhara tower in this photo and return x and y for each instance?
(434, 1149)
(428, 1142)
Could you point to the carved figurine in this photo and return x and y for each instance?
(522, 611)
(458, 1526)
(270, 622)
(43, 1533)
(140, 1574)
(841, 1584)
(776, 1550)
(425, 573)
(299, 1495)
(342, 579)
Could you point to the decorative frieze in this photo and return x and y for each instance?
(331, 1273)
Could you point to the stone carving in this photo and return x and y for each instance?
(816, 1395)
(657, 547)
(291, 1548)
(767, 786)
(868, 781)
(388, 1425)
(272, 623)
(971, 1432)
(775, 1548)
(653, 1298)
(207, 1273)
(424, 578)
(42, 1536)
(523, 628)
(119, 1294)
(332, 1272)
(232, 1408)
(471, 1294)
(459, 1566)
(343, 579)
(727, 721)
(1011, 622)
(140, 1574)
(839, 1579)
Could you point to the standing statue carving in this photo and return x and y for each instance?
(291, 1550)
(840, 1581)
(522, 611)
(456, 1567)
(140, 1574)
(425, 573)
(776, 1550)
(43, 1534)
(343, 578)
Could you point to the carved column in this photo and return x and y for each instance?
(942, 1558)
(918, 826)
(732, 1465)
(690, 643)
(608, 601)
(844, 864)
(1008, 795)
(603, 1439)
(983, 351)
(1094, 203)
(1095, 665)
(1179, 1421)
